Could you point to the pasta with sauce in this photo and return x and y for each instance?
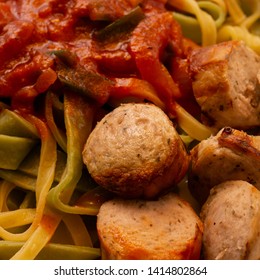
(66, 64)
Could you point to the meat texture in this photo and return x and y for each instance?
(226, 85)
(163, 229)
(135, 151)
(230, 155)
(231, 218)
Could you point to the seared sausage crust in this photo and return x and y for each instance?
(166, 229)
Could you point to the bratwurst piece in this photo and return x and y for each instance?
(231, 218)
(135, 151)
(226, 85)
(230, 155)
(163, 229)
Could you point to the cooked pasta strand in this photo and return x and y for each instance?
(39, 238)
(15, 218)
(235, 11)
(57, 133)
(249, 21)
(78, 230)
(52, 251)
(44, 180)
(78, 125)
(28, 201)
(229, 32)
(218, 12)
(5, 189)
(206, 22)
(191, 126)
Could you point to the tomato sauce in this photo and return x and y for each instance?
(32, 31)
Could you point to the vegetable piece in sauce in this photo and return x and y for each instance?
(90, 84)
(121, 26)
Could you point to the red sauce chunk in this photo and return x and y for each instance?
(107, 40)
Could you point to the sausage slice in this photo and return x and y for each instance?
(167, 228)
(231, 218)
(135, 151)
(226, 85)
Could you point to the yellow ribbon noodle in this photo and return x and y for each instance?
(208, 22)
